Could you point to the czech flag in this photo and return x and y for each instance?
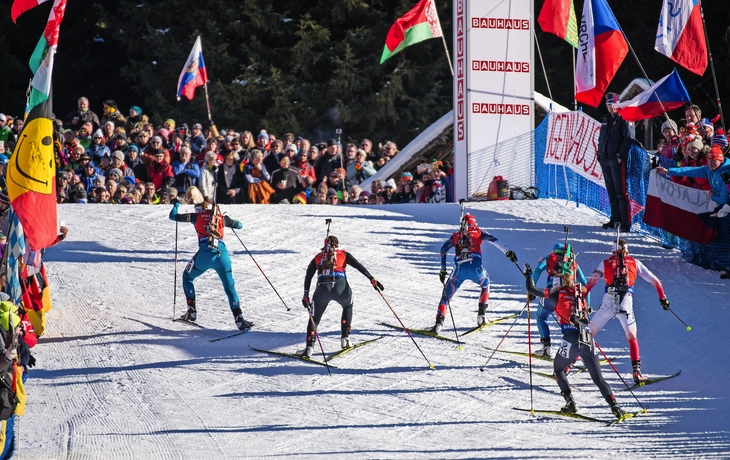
(601, 50)
(31, 178)
(680, 35)
(663, 96)
(193, 74)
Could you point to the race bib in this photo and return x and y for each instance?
(564, 349)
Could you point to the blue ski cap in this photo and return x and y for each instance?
(4, 159)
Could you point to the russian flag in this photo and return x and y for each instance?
(193, 74)
(682, 211)
(663, 96)
(680, 35)
(601, 50)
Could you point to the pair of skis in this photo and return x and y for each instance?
(428, 333)
(312, 360)
(585, 418)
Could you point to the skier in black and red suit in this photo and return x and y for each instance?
(571, 310)
(332, 285)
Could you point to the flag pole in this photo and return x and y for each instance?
(575, 88)
(712, 66)
(448, 56)
(207, 101)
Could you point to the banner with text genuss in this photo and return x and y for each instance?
(572, 141)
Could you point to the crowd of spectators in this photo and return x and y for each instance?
(127, 160)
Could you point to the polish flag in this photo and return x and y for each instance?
(682, 211)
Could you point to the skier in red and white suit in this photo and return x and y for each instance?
(618, 300)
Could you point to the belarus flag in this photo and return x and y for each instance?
(417, 25)
(682, 211)
(680, 35)
(663, 96)
(601, 50)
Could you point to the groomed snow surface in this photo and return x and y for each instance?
(117, 379)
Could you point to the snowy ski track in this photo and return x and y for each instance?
(117, 379)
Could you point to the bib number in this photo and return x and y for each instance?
(564, 349)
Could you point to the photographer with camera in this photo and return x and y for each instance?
(620, 271)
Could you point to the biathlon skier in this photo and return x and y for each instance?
(620, 271)
(467, 244)
(212, 254)
(332, 285)
(572, 312)
(550, 263)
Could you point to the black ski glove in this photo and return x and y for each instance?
(725, 177)
(665, 303)
(376, 284)
(511, 255)
(305, 300)
(442, 275)
(31, 361)
(528, 270)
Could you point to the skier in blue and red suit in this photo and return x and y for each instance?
(467, 243)
(212, 254)
(546, 306)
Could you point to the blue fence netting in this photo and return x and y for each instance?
(562, 183)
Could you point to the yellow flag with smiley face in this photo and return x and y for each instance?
(31, 178)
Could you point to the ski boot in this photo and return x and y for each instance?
(439, 324)
(480, 314)
(192, 313)
(241, 323)
(639, 378)
(545, 351)
(345, 342)
(617, 411)
(570, 407)
(307, 351)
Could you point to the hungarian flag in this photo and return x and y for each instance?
(681, 36)
(663, 96)
(601, 51)
(417, 25)
(41, 62)
(21, 6)
(31, 179)
(558, 18)
(193, 74)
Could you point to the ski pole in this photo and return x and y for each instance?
(316, 334)
(619, 376)
(519, 268)
(261, 269)
(680, 319)
(504, 337)
(404, 328)
(451, 312)
(529, 346)
(174, 292)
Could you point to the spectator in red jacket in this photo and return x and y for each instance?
(159, 171)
